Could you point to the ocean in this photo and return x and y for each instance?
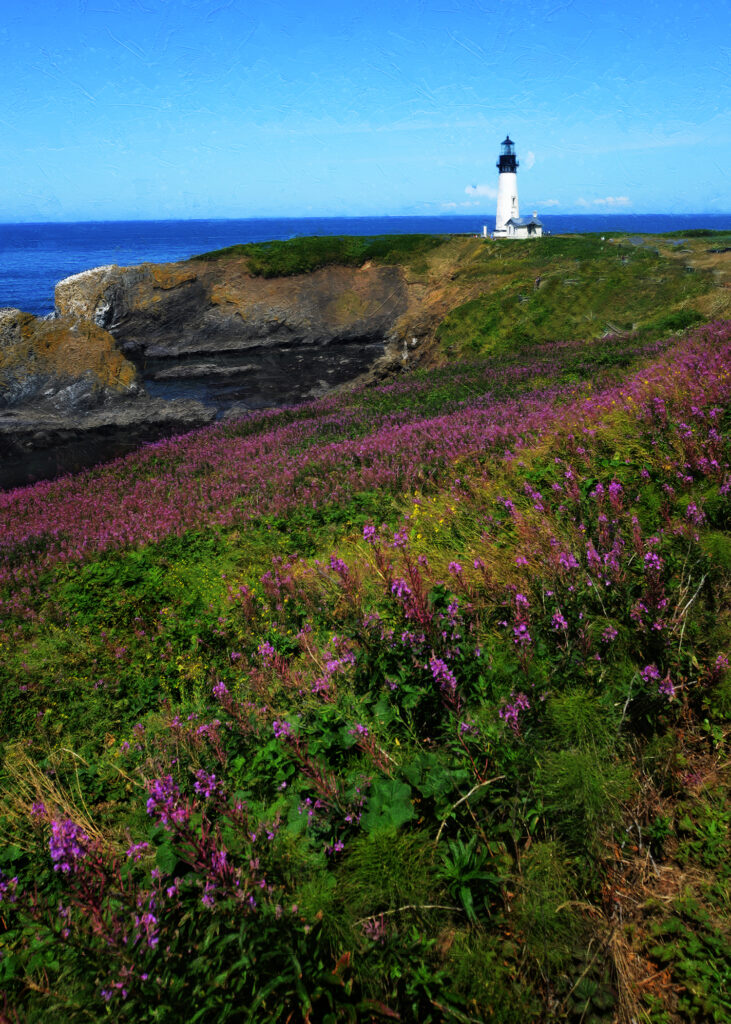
(33, 257)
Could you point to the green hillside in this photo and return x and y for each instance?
(411, 703)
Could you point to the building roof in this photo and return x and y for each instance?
(522, 222)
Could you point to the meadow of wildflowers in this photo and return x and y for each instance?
(408, 704)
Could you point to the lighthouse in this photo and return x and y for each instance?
(508, 222)
(507, 187)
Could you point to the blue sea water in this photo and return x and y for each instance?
(33, 257)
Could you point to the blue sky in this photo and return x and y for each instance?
(117, 109)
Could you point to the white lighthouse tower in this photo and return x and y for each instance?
(508, 222)
(507, 188)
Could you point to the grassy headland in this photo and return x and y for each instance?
(411, 703)
(303, 255)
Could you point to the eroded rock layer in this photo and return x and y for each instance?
(138, 352)
(213, 332)
(69, 398)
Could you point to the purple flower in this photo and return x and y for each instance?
(67, 845)
(205, 784)
(8, 887)
(567, 560)
(369, 534)
(220, 690)
(338, 565)
(666, 688)
(164, 801)
(282, 730)
(219, 861)
(442, 674)
(521, 636)
(653, 562)
(510, 712)
(467, 727)
(136, 852)
(558, 621)
(615, 492)
(695, 514)
(375, 929)
(266, 651)
(455, 568)
(400, 589)
(146, 928)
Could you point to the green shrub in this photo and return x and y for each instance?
(582, 793)
(403, 863)
(578, 718)
(544, 911)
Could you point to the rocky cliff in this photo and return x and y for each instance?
(137, 352)
(63, 364)
(70, 398)
(212, 331)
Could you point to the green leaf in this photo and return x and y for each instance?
(166, 858)
(389, 805)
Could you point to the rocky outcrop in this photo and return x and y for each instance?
(137, 352)
(170, 311)
(211, 331)
(63, 365)
(69, 398)
(37, 445)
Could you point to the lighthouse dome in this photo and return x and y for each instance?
(507, 162)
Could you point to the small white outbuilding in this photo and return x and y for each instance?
(524, 227)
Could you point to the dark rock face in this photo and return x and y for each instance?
(37, 444)
(137, 353)
(69, 398)
(212, 332)
(60, 365)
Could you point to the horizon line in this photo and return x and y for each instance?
(364, 216)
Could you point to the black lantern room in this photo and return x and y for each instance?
(508, 162)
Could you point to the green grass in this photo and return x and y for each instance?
(485, 872)
(587, 288)
(303, 255)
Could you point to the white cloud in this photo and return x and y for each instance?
(528, 161)
(459, 206)
(548, 202)
(481, 190)
(606, 201)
